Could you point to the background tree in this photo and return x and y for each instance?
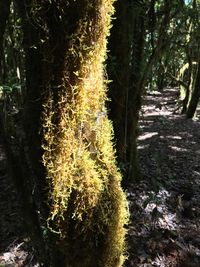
(195, 96)
(125, 62)
(4, 14)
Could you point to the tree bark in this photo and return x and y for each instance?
(67, 135)
(28, 160)
(195, 96)
(4, 15)
(125, 62)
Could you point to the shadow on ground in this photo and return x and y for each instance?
(15, 246)
(164, 207)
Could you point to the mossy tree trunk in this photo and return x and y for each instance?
(68, 137)
(125, 64)
(185, 87)
(195, 96)
(186, 81)
(190, 82)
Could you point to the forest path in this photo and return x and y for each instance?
(164, 207)
(169, 144)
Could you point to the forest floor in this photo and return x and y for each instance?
(164, 229)
(165, 205)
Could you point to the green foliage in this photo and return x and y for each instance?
(9, 89)
(13, 67)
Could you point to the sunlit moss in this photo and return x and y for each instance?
(182, 73)
(88, 206)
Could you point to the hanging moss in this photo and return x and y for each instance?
(88, 209)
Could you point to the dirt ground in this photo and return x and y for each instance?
(164, 207)
(164, 229)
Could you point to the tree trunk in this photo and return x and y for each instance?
(134, 98)
(125, 61)
(68, 135)
(4, 14)
(28, 171)
(195, 96)
(119, 72)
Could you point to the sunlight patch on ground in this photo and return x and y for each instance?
(196, 173)
(156, 209)
(186, 134)
(152, 114)
(154, 92)
(146, 124)
(179, 149)
(10, 256)
(147, 136)
(176, 137)
(164, 112)
(148, 108)
(142, 147)
(17, 255)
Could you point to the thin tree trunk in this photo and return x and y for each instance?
(119, 65)
(125, 61)
(32, 176)
(195, 96)
(4, 15)
(134, 98)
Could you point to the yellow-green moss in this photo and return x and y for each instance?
(181, 74)
(85, 191)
